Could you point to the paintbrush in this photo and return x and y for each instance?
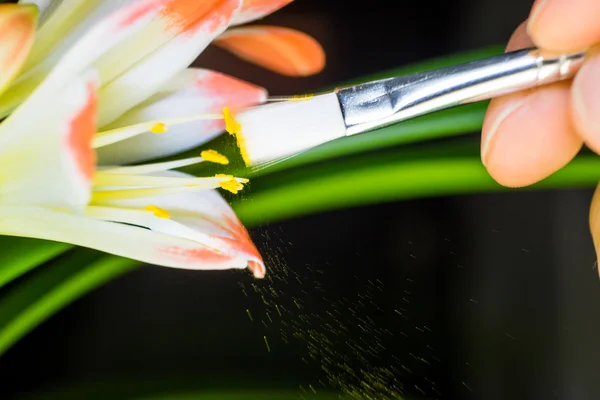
(288, 126)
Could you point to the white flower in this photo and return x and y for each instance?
(105, 83)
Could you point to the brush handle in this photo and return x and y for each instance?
(377, 104)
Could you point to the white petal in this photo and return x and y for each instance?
(146, 77)
(192, 91)
(111, 237)
(54, 71)
(46, 158)
(207, 212)
(17, 35)
(45, 6)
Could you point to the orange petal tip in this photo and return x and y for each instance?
(282, 50)
(17, 32)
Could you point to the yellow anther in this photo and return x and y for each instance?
(231, 125)
(301, 97)
(240, 180)
(159, 128)
(232, 184)
(234, 128)
(214, 156)
(158, 212)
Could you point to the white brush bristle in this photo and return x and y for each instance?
(279, 130)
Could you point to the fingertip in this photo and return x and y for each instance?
(564, 25)
(520, 39)
(585, 100)
(528, 136)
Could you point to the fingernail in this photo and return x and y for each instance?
(535, 13)
(586, 94)
(495, 122)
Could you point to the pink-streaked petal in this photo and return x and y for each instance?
(257, 9)
(46, 159)
(146, 77)
(282, 50)
(66, 21)
(17, 32)
(81, 132)
(207, 15)
(208, 213)
(102, 37)
(191, 92)
(123, 240)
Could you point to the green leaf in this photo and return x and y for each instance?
(34, 300)
(181, 388)
(20, 255)
(393, 176)
(431, 64)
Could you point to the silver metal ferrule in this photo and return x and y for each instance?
(380, 103)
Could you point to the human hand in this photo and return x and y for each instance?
(529, 135)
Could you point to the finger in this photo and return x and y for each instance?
(527, 136)
(565, 25)
(585, 104)
(519, 39)
(595, 220)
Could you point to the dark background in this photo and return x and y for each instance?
(473, 297)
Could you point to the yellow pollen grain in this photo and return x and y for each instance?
(302, 97)
(160, 127)
(232, 186)
(240, 180)
(214, 156)
(267, 344)
(158, 212)
(231, 125)
(235, 129)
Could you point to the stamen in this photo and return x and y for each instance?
(103, 196)
(160, 127)
(241, 180)
(297, 97)
(158, 212)
(214, 156)
(155, 167)
(156, 189)
(105, 179)
(111, 136)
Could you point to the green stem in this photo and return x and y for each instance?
(391, 181)
(21, 255)
(31, 303)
